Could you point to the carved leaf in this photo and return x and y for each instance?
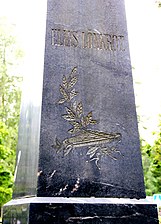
(91, 155)
(105, 150)
(65, 83)
(79, 109)
(58, 143)
(92, 150)
(61, 101)
(72, 82)
(70, 116)
(76, 125)
(67, 117)
(64, 93)
(74, 106)
(73, 71)
(88, 120)
(67, 151)
(93, 122)
(83, 121)
(73, 93)
(71, 131)
(70, 112)
(89, 116)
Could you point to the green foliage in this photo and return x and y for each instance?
(10, 96)
(10, 93)
(151, 155)
(7, 156)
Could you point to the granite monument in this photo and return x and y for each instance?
(78, 158)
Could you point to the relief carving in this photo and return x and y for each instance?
(98, 143)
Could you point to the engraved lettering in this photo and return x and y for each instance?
(103, 43)
(89, 40)
(74, 39)
(96, 40)
(56, 37)
(109, 42)
(114, 43)
(53, 38)
(83, 39)
(61, 37)
(67, 38)
(121, 43)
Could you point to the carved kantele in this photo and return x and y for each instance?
(97, 142)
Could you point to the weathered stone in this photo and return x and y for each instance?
(89, 211)
(89, 143)
(82, 140)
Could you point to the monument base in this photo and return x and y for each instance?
(44, 210)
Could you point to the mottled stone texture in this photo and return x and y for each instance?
(88, 92)
(83, 140)
(82, 213)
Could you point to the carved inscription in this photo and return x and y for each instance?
(99, 41)
(64, 38)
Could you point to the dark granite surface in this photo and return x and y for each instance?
(77, 213)
(89, 143)
(83, 140)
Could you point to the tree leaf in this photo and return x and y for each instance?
(76, 125)
(89, 116)
(61, 101)
(79, 109)
(88, 120)
(73, 93)
(65, 83)
(71, 131)
(58, 142)
(67, 150)
(91, 155)
(73, 71)
(92, 150)
(84, 121)
(63, 92)
(68, 117)
(74, 106)
(72, 82)
(70, 112)
(93, 122)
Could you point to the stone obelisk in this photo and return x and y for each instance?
(78, 158)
